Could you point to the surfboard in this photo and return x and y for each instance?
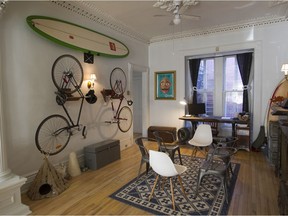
(77, 37)
(264, 133)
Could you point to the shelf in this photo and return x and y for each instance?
(276, 110)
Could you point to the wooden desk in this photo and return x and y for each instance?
(219, 119)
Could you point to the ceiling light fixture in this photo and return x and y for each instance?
(176, 19)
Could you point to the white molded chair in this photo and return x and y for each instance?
(202, 138)
(162, 164)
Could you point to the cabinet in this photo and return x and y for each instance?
(283, 168)
(243, 135)
(273, 146)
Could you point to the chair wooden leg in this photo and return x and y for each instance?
(172, 193)
(181, 184)
(156, 180)
(194, 152)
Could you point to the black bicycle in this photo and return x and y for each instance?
(54, 132)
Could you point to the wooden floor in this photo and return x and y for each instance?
(255, 192)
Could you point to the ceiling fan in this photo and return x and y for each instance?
(178, 7)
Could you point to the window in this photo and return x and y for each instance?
(205, 84)
(233, 87)
(219, 85)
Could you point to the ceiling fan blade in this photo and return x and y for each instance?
(182, 9)
(191, 17)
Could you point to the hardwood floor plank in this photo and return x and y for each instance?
(255, 192)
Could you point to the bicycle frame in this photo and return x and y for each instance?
(118, 87)
(119, 106)
(68, 78)
(72, 81)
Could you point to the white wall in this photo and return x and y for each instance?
(271, 51)
(27, 59)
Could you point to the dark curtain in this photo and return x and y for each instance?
(194, 65)
(244, 63)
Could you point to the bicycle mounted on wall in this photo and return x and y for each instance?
(121, 116)
(54, 132)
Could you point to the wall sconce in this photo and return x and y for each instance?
(284, 69)
(91, 81)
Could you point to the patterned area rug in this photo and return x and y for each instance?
(210, 199)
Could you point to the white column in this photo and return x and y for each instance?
(10, 184)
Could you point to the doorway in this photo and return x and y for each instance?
(139, 87)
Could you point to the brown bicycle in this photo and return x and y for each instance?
(122, 116)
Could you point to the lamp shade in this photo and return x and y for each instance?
(183, 102)
(176, 19)
(284, 68)
(93, 77)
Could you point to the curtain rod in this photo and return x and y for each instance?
(219, 55)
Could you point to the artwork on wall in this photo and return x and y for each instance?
(165, 85)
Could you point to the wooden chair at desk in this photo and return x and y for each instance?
(214, 128)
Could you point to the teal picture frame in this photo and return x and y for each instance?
(165, 85)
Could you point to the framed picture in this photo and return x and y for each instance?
(165, 85)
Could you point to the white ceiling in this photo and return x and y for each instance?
(139, 16)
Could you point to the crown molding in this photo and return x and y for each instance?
(232, 27)
(89, 11)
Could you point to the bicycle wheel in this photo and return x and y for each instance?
(118, 81)
(67, 74)
(125, 119)
(52, 135)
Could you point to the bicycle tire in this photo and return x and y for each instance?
(125, 119)
(183, 135)
(67, 66)
(46, 140)
(118, 81)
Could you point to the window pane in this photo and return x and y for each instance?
(206, 74)
(233, 103)
(232, 75)
(205, 84)
(233, 95)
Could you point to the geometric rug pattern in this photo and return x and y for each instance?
(210, 199)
